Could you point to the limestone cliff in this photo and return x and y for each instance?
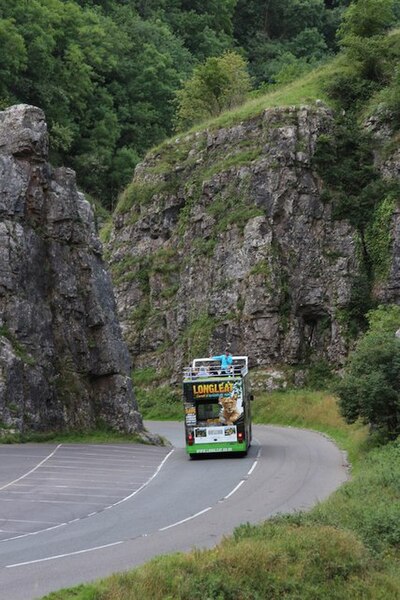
(63, 363)
(222, 238)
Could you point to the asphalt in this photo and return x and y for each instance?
(74, 513)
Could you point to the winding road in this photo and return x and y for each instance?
(73, 513)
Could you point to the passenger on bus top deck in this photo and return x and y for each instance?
(226, 362)
(202, 372)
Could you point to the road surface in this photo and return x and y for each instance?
(73, 513)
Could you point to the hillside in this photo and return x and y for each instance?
(106, 72)
(239, 233)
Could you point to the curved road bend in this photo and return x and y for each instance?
(73, 513)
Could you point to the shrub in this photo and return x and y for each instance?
(219, 84)
(370, 387)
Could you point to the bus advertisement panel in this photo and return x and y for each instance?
(215, 415)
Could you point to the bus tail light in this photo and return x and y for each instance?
(240, 436)
(190, 439)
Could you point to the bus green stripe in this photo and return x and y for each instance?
(223, 447)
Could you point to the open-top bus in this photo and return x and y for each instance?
(217, 407)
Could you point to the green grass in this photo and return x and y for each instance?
(99, 436)
(303, 91)
(310, 410)
(160, 403)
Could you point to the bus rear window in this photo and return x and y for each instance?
(208, 410)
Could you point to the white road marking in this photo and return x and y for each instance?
(252, 468)
(235, 489)
(187, 519)
(97, 469)
(32, 470)
(94, 513)
(18, 537)
(28, 521)
(148, 481)
(44, 492)
(33, 487)
(46, 479)
(32, 562)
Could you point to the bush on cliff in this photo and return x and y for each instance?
(219, 84)
(370, 387)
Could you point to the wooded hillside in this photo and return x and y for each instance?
(106, 71)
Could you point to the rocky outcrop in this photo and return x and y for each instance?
(63, 363)
(387, 160)
(223, 238)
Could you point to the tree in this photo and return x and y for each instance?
(363, 35)
(204, 26)
(217, 85)
(13, 59)
(370, 388)
(268, 31)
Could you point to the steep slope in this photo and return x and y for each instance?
(222, 238)
(63, 363)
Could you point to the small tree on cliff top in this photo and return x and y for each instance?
(370, 388)
(217, 85)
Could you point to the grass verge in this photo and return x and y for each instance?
(346, 547)
(77, 437)
(157, 401)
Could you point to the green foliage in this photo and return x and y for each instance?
(163, 402)
(106, 72)
(262, 267)
(276, 34)
(359, 194)
(105, 81)
(149, 376)
(369, 389)
(197, 335)
(384, 319)
(367, 505)
(217, 85)
(99, 435)
(344, 160)
(369, 54)
(135, 195)
(362, 34)
(366, 18)
(319, 375)
(378, 237)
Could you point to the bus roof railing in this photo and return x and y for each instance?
(207, 367)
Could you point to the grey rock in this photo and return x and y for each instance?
(252, 256)
(63, 362)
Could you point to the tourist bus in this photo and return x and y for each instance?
(217, 407)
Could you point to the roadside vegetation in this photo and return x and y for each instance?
(97, 436)
(346, 547)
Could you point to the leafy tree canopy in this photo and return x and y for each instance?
(106, 71)
(217, 85)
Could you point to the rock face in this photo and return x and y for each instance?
(222, 238)
(63, 363)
